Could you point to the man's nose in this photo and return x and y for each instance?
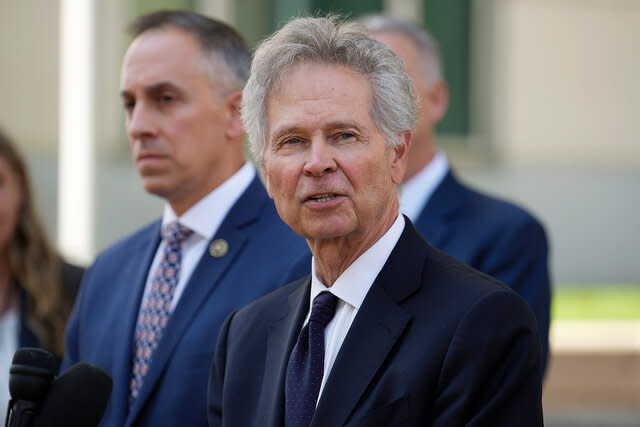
(140, 123)
(321, 158)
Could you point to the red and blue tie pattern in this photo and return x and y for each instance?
(156, 309)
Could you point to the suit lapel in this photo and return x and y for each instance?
(202, 283)
(123, 348)
(376, 329)
(439, 211)
(285, 329)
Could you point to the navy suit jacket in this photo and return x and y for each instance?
(261, 250)
(495, 237)
(435, 343)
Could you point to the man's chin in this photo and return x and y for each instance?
(325, 231)
(156, 187)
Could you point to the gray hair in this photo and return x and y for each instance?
(429, 59)
(226, 55)
(329, 41)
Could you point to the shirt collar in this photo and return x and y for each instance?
(207, 214)
(353, 284)
(417, 191)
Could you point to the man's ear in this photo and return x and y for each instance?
(235, 129)
(438, 94)
(400, 153)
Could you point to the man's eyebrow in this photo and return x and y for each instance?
(343, 124)
(154, 88)
(288, 128)
(285, 129)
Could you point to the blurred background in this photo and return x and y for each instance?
(545, 100)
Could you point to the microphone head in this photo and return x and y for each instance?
(31, 373)
(77, 398)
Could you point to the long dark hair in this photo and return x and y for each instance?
(35, 266)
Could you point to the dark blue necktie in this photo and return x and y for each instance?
(306, 364)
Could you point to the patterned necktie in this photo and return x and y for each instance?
(306, 364)
(156, 308)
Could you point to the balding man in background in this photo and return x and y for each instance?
(491, 235)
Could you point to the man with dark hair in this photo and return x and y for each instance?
(150, 307)
(387, 330)
(491, 235)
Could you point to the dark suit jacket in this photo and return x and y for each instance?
(261, 249)
(435, 342)
(495, 237)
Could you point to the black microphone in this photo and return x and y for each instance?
(77, 398)
(30, 376)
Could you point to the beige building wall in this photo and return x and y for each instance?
(554, 80)
(111, 43)
(560, 80)
(29, 73)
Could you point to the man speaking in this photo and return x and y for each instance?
(387, 330)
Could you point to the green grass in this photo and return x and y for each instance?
(610, 302)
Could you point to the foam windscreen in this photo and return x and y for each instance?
(77, 398)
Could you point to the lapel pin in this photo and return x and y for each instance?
(218, 248)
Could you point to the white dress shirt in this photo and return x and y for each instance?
(351, 288)
(417, 191)
(204, 219)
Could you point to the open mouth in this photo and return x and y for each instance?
(323, 197)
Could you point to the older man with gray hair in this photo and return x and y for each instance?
(386, 330)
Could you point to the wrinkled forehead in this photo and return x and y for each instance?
(283, 78)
